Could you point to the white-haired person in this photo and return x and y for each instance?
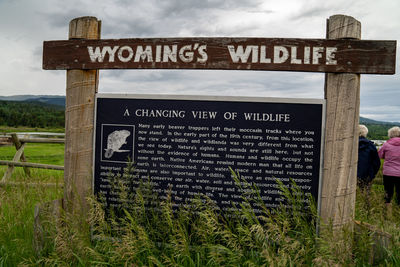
(390, 152)
(368, 159)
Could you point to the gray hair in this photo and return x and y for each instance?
(394, 132)
(362, 130)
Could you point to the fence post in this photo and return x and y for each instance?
(19, 156)
(79, 121)
(342, 94)
(18, 144)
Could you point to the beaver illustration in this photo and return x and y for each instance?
(115, 141)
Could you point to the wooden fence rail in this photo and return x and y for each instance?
(32, 165)
(43, 140)
(19, 159)
(27, 184)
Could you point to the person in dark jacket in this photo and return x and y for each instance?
(368, 159)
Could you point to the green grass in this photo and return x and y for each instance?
(194, 236)
(17, 203)
(37, 153)
(9, 129)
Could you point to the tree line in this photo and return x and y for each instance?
(378, 131)
(41, 115)
(31, 114)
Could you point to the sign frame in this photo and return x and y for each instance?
(219, 99)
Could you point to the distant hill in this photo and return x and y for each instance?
(370, 121)
(377, 130)
(47, 99)
(44, 104)
(30, 113)
(58, 101)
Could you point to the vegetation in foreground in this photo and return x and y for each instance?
(195, 236)
(17, 203)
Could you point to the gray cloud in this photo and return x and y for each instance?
(25, 24)
(323, 8)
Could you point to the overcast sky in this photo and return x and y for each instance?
(25, 24)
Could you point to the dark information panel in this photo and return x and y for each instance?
(186, 145)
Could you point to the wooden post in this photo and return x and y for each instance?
(19, 145)
(46, 218)
(19, 156)
(342, 94)
(79, 121)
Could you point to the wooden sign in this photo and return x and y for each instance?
(276, 54)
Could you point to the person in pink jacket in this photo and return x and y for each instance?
(390, 152)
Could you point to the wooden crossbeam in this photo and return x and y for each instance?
(19, 155)
(30, 164)
(43, 140)
(3, 184)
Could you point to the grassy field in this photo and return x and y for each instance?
(195, 236)
(17, 203)
(8, 129)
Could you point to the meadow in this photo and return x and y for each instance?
(194, 236)
(17, 203)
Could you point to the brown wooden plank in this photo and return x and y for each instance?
(18, 145)
(5, 141)
(344, 56)
(43, 140)
(30, 164)
(25, 184)
(16, 158)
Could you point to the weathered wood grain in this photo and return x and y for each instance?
(79, 120)
(19, 146)
(31, 164)
(43, 140)
(350, 56)
(48, 217)
(342, 94)
(16, 158)
(25, 184)
(19, 156)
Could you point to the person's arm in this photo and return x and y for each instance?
(381, 151)
(376, 161)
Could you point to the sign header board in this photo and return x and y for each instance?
(275, 54)
(186, 145)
